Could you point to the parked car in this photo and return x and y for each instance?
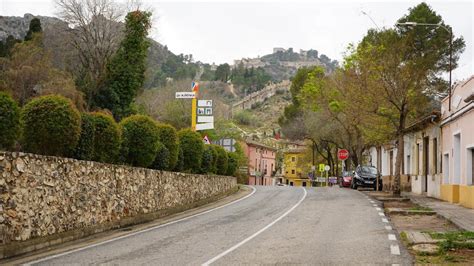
(366, 176)
(346, 179)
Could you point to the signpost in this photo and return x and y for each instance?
(201, 110)
(343, 155)
(185, 95)
(327, 168)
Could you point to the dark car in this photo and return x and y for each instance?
(366, 176)
(346, 179)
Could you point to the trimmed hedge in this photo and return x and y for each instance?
(140, 140)
(51, 126)
(233, 163)
(169, 138)
(107, 138)
(192, 146)
(207, 164)
(222, 160)
(9, 121)
(85, 147)
(162, 158)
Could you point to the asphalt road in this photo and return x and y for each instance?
(274, 225)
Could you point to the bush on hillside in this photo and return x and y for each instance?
(107, 138)
(169, 138)
(222, 160)
(192, 146)
(233, 163)
(139, 140)
(162, 158)
(9, 121)
(207, 164)
(51, 126)
(85, 147)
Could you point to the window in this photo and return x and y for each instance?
(292, 171)
(470, 166)
(304, 184)
(457, 159)
(446, 168)
(435, 156)
(408, 164)
(417, 158)
(293, 158)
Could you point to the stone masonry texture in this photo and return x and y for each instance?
(41, 196)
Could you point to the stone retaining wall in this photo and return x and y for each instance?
(50, 199)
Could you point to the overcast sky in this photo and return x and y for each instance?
(221, 31)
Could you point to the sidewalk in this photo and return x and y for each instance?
(460, 216)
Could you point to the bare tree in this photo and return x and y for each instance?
(95, 33)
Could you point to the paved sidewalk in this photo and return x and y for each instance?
(460, 216)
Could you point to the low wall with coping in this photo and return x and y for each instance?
(49, 200)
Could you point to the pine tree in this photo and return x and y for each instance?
(35, 26)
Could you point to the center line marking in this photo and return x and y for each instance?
(255, 234)
(392, 237)
(381, 214)
(388, 227)
(384, 220)
(378, 209)
(395, 249)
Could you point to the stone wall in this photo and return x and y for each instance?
(260, 96)
(42, 197)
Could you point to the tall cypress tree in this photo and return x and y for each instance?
(126, 70)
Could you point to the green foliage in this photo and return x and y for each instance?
(233, 163)
(107, 138)
(35, 26)
(222, 72)
(85, 147)
(222, 160)
(126, 70)
(9, 121)
(162, 159)
(7, 47)
(207, 164)
(140, 138)
(245, 117)
(180, 163)
(169, 138)
(51, 126)
(249, 79)
(214, 158)
(193, 147)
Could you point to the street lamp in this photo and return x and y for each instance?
(414, 24)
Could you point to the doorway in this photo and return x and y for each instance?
(426, 143)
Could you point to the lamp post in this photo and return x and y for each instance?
(414, 24)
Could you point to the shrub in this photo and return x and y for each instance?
(162, 158)
(179, 167)
(51, 126)
(169, 138)
(207, 164)
(214, 158)
(192, 146)
(107, 138)
(9, 121)
(222, 161)
(139, 140)
(85, 147)
(233, 163)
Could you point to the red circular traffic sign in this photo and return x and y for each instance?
(342, 154)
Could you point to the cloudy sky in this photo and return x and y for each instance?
(221, 31)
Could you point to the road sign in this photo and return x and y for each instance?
(204, 103)
(320, 179)
(204, 126)
(321, 167)
(327, 168)
(206, 140)
(342, 154)
(205, 119)
(185, 95)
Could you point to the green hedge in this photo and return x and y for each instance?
(162, 159)
(107, 138)
(222, 160)
(233, 163)
(85, 147)
(207, 164)
(51, 126)
(192, 146)
(9, 121)
(140, 140)
(169, 138)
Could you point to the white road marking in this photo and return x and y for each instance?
(378, 209)
(381, 214)
(255, 234)
(392, 237)
(384, 220)
(375, 205)
(394, 249)
(138, 232)
(388, 227)
(372, 201)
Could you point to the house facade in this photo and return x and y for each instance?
(261, 163)
(293, 172)
(457, 129)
